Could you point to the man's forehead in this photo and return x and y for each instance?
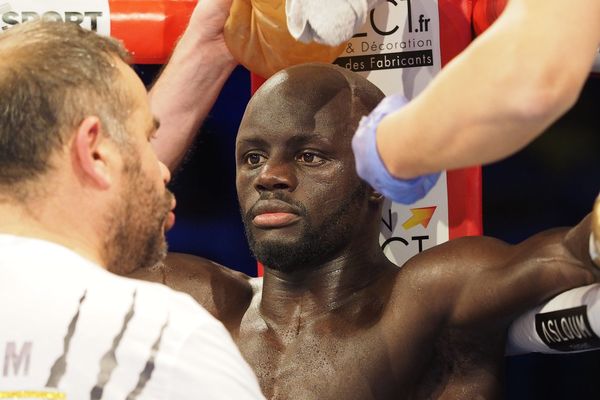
(284, 108)
(296, 125)
(303, 100)
(261, 138)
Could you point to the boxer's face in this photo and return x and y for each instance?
(300, 197)
(141, 212)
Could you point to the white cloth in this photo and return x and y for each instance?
(69, 326)
(329, 22)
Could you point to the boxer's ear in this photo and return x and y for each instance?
(375, 196)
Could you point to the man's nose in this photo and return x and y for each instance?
(164, 172)
(276, 176)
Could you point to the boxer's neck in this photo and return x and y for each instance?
(309, 294)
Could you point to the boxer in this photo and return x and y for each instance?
(333, 318)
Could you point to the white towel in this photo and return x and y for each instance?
(329, 22)
(4, 7)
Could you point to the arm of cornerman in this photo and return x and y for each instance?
(476, 112)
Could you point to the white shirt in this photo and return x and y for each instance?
(71, 328)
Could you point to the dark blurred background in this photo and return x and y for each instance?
(553, 182)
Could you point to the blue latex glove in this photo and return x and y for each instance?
(369, 165)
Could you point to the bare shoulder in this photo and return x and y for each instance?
(433, 279)
(451, 262)
(447, 262)
(225, 293)
(473, 279)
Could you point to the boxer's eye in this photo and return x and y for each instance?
(254, 158)
(309, 157)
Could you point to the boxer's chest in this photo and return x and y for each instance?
(332, 360)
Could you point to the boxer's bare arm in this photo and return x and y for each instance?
(190, 83)
(482, 281)
(499, 94)
(223, 292)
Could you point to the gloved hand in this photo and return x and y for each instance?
(330, 22)
(369, 165)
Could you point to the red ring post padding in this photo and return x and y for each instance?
(485, 12)
(464, 185)
(149, 28)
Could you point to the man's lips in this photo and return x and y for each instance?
(170, 219)
(274, 220)
(273, 214)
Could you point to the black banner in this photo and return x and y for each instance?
(372, 62)
(567, 330)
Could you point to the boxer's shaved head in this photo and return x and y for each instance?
(342, 96)
(294, 160)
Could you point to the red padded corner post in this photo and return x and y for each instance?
(464, 185)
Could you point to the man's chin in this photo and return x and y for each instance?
(281, 255)
(125, 261)
(285, 236)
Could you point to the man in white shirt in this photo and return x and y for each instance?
(82, 192)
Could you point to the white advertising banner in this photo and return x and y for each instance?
(90, 14)
(398, 49)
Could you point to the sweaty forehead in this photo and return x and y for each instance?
(304, 99)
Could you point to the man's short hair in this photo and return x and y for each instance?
(53, 75)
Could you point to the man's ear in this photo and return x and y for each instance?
(375, 196)
(92, 151)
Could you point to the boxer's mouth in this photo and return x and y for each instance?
(271, 214)
(274, 220)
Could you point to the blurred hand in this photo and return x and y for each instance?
(206, 24)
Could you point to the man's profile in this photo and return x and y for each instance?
(82, 194)
(333, 318)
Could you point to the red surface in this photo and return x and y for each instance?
(149, 28)
(464, 185)
(485, 12)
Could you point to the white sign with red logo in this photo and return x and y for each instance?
(398, 49)
(90, 14)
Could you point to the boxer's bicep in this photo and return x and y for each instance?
(501, 281)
